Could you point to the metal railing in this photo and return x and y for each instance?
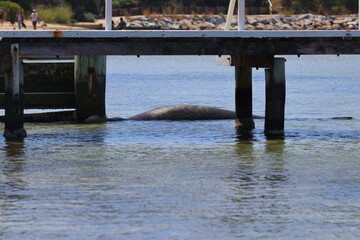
(108, 14)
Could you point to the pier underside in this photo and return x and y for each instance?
(242, 49)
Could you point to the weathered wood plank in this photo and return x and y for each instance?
(48, 76)
(14, 108)
(45, 100)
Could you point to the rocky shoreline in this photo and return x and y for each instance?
(253, 22)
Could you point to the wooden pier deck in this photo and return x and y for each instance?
(47, 43)
(242, 49)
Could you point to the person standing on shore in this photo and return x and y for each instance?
(122, 24)
(34, 18)
(19, 19)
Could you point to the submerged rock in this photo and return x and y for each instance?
(95, 119)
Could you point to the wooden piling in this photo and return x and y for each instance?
(90, 83)
(275, 98)
(14, 95)
(243, 99)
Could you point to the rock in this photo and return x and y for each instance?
(264, 21)
(210, 26)
(16, 135)
(151, 24)
(270, 27)
(306, 16)
(349, 19)
(336, 27)
(295, 18)
(261, 26)
(185, 22)
(250, 27)
(286, 27)
(221, 27)
(252, 20)
(308, 22)
(174, 25)
(338, 21)
(322, 18)
(278, 19)
(217, 20)
(136, 24)
(168, 20)
(328, 23)
(353, 23)
(94, 119)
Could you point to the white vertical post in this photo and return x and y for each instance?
(271, 6)
(230, 14)
(108, 14)
(241, 14)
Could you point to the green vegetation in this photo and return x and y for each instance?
(10, 9)
(125, 3)
(58, 14)
(321, 6)
(26, 4)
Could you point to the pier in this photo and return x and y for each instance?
(243, 50)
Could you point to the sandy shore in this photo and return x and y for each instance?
(40, 26)
(213, 22)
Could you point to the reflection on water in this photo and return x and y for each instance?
(12, 166)
(12, 184)
(257, 187)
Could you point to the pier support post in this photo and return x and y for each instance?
(90, 84)
(243, 99)
(14, 97)
(275, 98)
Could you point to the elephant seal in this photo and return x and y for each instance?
(184, 112)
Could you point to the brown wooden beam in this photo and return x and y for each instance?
(245, 61)
(57, 47)
(49, 100)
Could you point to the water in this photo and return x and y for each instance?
(192, 180)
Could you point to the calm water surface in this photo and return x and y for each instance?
(192, 180)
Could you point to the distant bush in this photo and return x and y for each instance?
(125, 3)
(10, 9)
(59, 14)
(89, 17)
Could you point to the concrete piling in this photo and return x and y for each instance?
(275, 98)
(90, 83)
(243, 99)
